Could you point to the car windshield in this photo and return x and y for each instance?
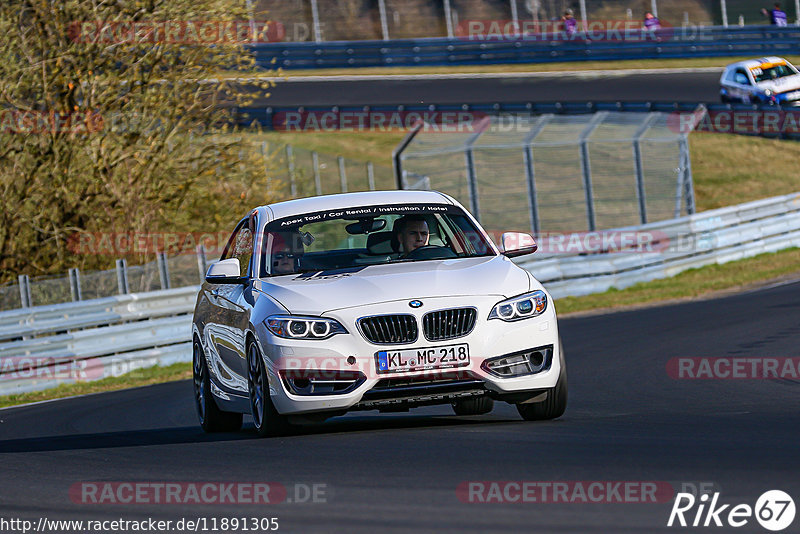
(764, 73)
(369, 235)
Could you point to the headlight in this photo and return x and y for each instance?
(521, 307)
(297, 327)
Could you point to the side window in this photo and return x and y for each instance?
(240, 246)
(741, 77)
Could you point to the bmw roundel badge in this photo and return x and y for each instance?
(415, 303)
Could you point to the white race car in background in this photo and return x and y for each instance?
(769, 80)
(321, 305)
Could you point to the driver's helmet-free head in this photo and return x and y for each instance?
(399, 227)
(285, 252)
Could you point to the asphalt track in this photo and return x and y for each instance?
(700, 85)
(627, 420)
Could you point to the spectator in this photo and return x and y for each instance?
(777, 16)
(570, 24)
(651, 22)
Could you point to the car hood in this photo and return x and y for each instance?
(324, 291)
(781, 85)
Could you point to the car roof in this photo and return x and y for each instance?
(299, 206)
(750, 63)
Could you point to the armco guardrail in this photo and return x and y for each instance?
(690, 41)
(44, 346)
(715, 236)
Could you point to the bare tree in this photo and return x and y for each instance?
(104, 124)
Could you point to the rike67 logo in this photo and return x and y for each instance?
(774, 510)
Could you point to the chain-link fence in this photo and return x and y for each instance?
(335, 20)
(559, 173)
(305, 173)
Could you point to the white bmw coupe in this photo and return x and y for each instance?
(383, 301)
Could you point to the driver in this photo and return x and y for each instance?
(285, 256)
(410, 233)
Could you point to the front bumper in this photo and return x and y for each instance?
(349, 354)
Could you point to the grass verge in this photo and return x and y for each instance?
(703, 282)
(140, 377)
(730, 169)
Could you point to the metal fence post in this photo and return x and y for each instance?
(290, 165)
(370, 176)
(530, 175)
(638, 165)
(448, 18)
(472, 177)
(265, 159)
(122, 277)
(250, 12)
(342, 174)
(202, 263)
(797, 12)
(472, 182)
(384, 24)
(315, 21)
(686, 175)
(75, 284)
(584, 16)
(586, 168)
(397, 154)
(317, 178)
(25, 291)
(724, 8)
(163, 270)
(515, 18)
(654, 7)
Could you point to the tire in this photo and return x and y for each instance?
(473, 406)
(266, 418)
(556, 402)
(212, 419)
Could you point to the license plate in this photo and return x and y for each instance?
(444, 357)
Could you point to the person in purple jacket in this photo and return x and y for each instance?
(778, 16)
(651, 22)
(570, 24)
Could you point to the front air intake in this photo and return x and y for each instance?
(448, 324)
(389, 329)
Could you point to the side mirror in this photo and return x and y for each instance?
(518, 244)
(225, 272)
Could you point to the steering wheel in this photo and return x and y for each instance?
(428, 252)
